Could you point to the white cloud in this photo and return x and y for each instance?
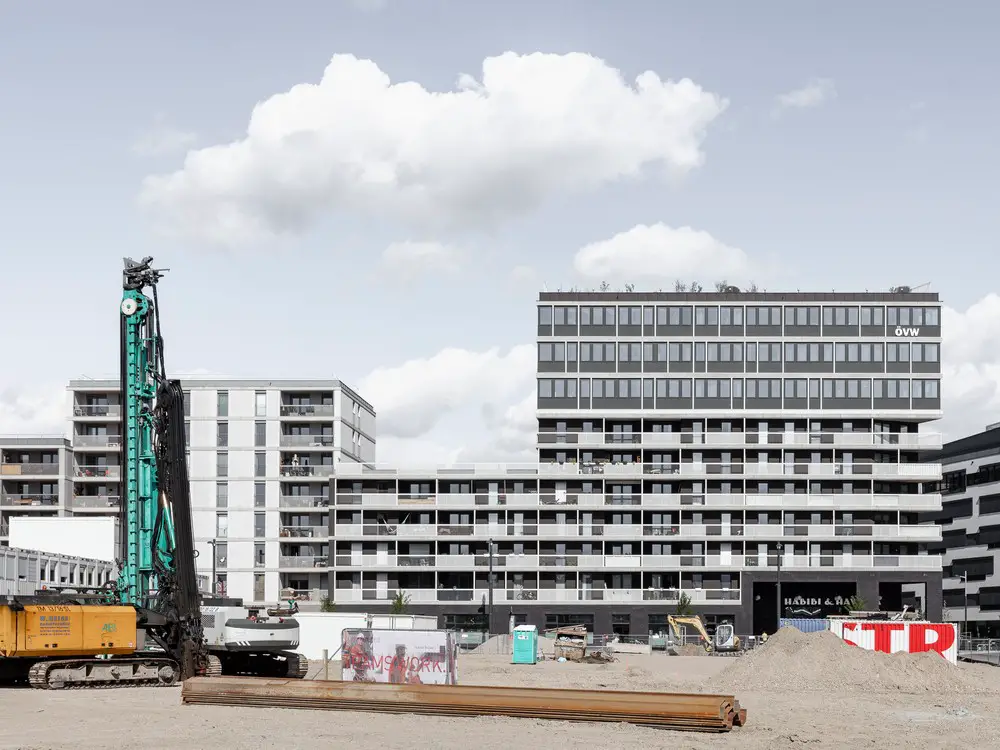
(535, 125)
(411, 398)
(162, 139)
(970, 367)
(33, 410)
(815, 93)
(415, 257)
(661, 252)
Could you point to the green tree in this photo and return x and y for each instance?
(399, 603)
(854, 604)
(327, 605)
(684, 608)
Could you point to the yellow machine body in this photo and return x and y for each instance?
(64, 630)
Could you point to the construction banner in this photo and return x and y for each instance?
(409, 657)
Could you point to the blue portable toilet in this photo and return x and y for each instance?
(525, 645)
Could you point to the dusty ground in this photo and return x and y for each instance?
(800, 693)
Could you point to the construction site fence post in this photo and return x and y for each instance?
(326, 664)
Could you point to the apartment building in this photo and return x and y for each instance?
(260, 454)
(34, 478)
(969, 520)
(693, 448)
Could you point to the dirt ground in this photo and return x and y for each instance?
(814, 693)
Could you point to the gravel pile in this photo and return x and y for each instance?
(795, 661)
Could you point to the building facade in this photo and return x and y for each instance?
(35, 478)
(694, 448)
(969, 520)
(259, 453)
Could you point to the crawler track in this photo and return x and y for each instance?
(66, 674)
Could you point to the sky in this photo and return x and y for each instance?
(377, 190)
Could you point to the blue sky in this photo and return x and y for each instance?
(882, 174)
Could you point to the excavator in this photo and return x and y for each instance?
(146, 627)
(726, 640)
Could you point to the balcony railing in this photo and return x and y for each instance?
(861, 440)
(303, 532)
(98, 472)
(303, 561)
(96, 441)
(29, 500)
(108, 411)
(96, 501)
(649, 500)
(502, 594)
(307, 471)
(303, 501)
(307, 410)
(38, 469)
(306, 441)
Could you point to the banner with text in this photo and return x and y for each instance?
(399, 656)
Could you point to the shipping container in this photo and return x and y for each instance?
(806, 624)
(25, 571)
(893, 636)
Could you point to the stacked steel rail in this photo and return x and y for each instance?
(679, 711)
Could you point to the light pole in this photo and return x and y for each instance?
(965, 601)
(489, 610)
(213, 542)
(780, 547)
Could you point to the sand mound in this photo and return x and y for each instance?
(792, 661)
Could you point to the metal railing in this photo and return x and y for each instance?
(303, 501)
(303, 532)
(86, 471)
(307, 410)
(306, 441)
(96, 501)
(305, 471)
(921, 440)
(110, 411)
(96, 441)
(44, 499)
(34, 468)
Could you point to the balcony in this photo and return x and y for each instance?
(302, 561)
(85, 471)
(308, 410)
(45, 500)
(306, 441)
(29, 469)
(97, 441)
(303, 532)
(304, 471)
(356, 595)
(96, 502)
(303, 501)
(928, 441)
(97, 411)
(845, 561)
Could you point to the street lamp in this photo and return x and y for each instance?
(965, 600)
(780, 547)
(213, 584)
(489, 611)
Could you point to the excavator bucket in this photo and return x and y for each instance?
(679, 711)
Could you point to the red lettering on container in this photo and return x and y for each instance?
(918, 637)
(883, 634)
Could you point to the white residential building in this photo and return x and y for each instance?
(256, 450)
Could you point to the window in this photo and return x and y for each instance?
(221, 554)
(925, 389)
(260, 434)
(222, 464)
(259, 495)
(260, 525)
(259, 555)
(731, 316)
(680, 352)
(187, 403)
(564, 316)
(260, 464)
(187, 434)
(258, 587)
(222, 434)
(545, 316)
(545, 388)
(222, 494)
(584, 388)
(926, 352)
(222, 525)
(260, 403)
(630, 352)
(711, 388)
(222, 403)
(706, 316)
(679, 316)
(545, 352)
(872, 316)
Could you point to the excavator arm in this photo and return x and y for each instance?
(157, 575)
(675, 621)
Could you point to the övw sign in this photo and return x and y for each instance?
(900, 331)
